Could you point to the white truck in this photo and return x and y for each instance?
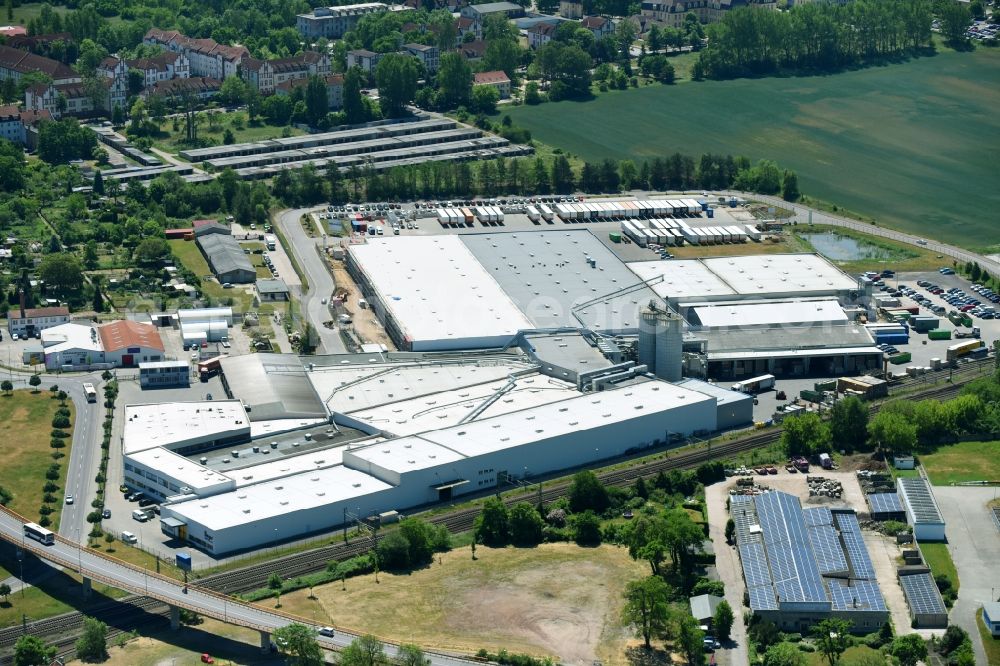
(755, 385)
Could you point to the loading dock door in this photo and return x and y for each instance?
(445, 490)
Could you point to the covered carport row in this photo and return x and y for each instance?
(793, 362)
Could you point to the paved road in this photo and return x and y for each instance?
(100, 567)
(974, 543)
(819, 217)
(320, 280)
(85, 456)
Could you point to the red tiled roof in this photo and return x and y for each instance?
(487, 78)
(38, 312)
(124, 334)
(24, 62)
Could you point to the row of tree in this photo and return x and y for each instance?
(900, 426)
(531, 176)
(813, 36)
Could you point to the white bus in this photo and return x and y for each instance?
(90, 392)
(39, 534)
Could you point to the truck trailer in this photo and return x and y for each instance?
(755, 385)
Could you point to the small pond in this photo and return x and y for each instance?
(844, 248)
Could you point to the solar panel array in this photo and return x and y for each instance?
(885, 503)
(917, 494)
(785, 560)
(856, 595)
(826, 547)
(817, 516)
(922, 594)
(854, 545)
(788, 551)
(755, 568)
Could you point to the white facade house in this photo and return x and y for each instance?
(32, 320)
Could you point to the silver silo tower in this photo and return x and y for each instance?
(660, 341)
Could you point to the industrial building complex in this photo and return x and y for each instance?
(804, 565)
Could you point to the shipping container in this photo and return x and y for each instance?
(615, 237)
(939, 334)
(899, 359)
(961, 349)
(546, 212)
(922, 324)
(533, 214)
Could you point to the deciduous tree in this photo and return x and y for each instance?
(646, 607)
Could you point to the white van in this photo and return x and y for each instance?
(128, 537)
(140, 515)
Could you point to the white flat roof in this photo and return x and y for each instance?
(172, 424)
(278, 426)
(447, 408)
(67, 337)
(791, 353)
(376, 384)
(186, 472)
(684, 278)
(285, 466)
(280, 497)
(771, 312)
(779, 273)
(436, 290)
(752, 275)
(518, 428)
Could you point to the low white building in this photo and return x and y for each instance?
(71, 345)
(32, 320)
(922, 511)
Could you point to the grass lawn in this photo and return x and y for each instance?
(965, 461)
(187, 253)
(939, 560)
(555, 600)
(912, 145)
(990, 644)
(236, 121)
(25, 424)
(850, 656)
(29, 11)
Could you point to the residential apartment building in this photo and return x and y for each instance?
(334, 89)
(35, 320)
(429, 56)
(163, 67)
(266, 75)
(206, 57)
(365, 59)
(599, 26)
(671, 13)
(333, 22)
(541, 34)
(19, 126)
(199, 87)
(15, 63)
(498, 80)
(73, 98)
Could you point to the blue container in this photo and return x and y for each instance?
(710, 211)
(894, 339)
(183, 561)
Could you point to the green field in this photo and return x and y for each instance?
(939, 560)
(965, 461)
(912, 145)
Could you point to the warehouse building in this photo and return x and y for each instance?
(885, 506)
(129, 343)
(733, 409)
(565, 278)
(922, 511)
(803, 566)
(432, 294)
(272, 387)
(927, 609)
(226, 259)
(71, 346)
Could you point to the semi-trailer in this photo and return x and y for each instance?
(961, 349)
(533, 214)
(546, 212)
(755, 385)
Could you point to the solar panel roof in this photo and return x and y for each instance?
(762, 598)
(788, 551)
(917, 494)
(856, 595)
(922, 594)
(818, 516)
(755, 568)
(854, 546)
(826, 547)
(885, 503)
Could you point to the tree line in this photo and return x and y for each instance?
(900, 426)
(533, 176)
(813, 37)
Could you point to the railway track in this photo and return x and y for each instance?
(137, 611)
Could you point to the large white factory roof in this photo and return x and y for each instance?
(438, 292)
(771, 312)
(351, 388)
(279, 497)
(519, 428)
(175, 424)
(186, 472)
(752, 275)
(551, 274)
(287, 466)
(69, 337)
(780, 273)
(683, 278)
(447, 408)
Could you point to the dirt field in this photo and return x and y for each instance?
(556, 600)
(229, 645)
(365, 324)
